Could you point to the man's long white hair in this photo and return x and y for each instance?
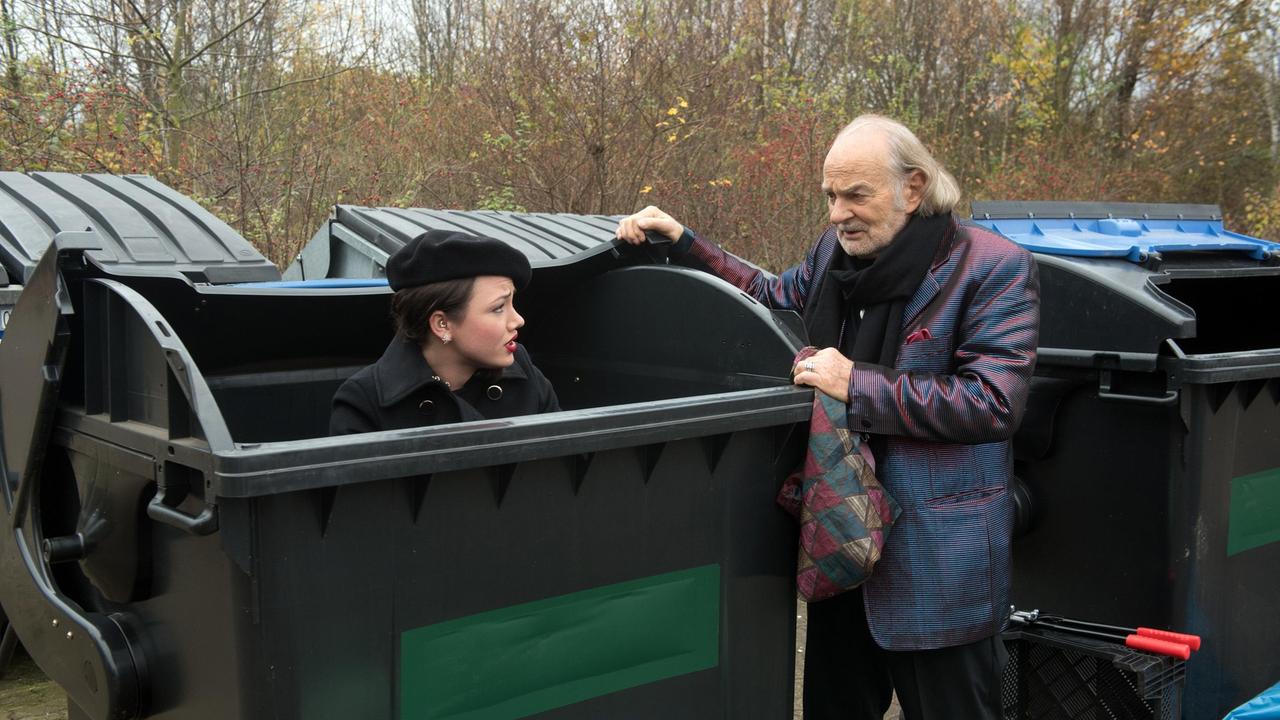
(907, 154)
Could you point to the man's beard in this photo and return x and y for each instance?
(870, 243)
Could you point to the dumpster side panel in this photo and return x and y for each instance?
(1229, 592)
(193, 629)
(1178, 522)
(374, 564)
(1100, 529)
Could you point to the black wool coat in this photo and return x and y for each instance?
(402, 391)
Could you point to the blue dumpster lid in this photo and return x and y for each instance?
(1132, 231)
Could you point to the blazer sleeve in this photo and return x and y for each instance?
(788, 291)
(983, 400)
(353, 411)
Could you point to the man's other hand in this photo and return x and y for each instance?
(631, 228)
(828, 371)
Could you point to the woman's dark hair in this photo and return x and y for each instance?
(412, 308)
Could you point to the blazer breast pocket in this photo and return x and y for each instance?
(933, 353)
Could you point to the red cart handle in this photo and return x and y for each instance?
(1160, 647)
(1191, 641)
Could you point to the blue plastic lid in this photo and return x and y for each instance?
(1132, 240)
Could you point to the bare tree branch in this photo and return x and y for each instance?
(102, 51)
(195, 55)
(263, 91)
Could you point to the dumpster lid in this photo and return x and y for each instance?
(143, 227)
(561, 247)
(540, 236)
(1132, 231)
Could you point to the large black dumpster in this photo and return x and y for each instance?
(182, 541)
(1151, 444)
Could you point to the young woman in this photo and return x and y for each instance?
(455, 357)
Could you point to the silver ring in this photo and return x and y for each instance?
(808, 365)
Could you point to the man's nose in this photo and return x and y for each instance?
(840, 211)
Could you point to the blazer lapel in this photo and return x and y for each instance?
(930, 287)
(927, 291)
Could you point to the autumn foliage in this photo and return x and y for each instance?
(719, 111)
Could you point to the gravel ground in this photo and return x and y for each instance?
(26, 694)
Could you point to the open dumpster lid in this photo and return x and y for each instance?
(142, 226)
(357, 240)
(1131, 231)
(540, 236)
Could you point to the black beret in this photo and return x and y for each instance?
(438, 255)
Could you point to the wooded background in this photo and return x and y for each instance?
(270, 111)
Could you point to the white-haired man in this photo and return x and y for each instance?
(928, 329)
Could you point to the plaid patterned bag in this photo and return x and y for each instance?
(844, 512)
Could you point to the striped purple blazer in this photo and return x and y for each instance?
(949, 406)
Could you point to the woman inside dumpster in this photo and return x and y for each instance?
(454, 357)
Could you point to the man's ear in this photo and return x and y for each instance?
(913, 193)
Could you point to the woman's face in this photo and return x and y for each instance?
(485, 337)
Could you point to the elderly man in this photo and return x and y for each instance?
(928, 329)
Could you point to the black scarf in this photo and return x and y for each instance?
(860, 304)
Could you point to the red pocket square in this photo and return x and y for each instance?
(921, 334)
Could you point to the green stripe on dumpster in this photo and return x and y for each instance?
(525, 659)
(1254, 520)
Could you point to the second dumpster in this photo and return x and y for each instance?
(1151, 443)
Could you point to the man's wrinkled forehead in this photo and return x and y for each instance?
(862, 154)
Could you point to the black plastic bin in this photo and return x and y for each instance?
(1151, 443)
(1058, 676)
(188, 544)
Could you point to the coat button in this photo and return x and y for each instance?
(426, 407)
(494, 392)
(866, 423)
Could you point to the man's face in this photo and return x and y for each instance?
(867, 204)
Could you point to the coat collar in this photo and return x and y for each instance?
(402, 370)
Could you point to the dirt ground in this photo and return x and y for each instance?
(26, 694)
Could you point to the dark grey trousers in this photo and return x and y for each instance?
(847, 676)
